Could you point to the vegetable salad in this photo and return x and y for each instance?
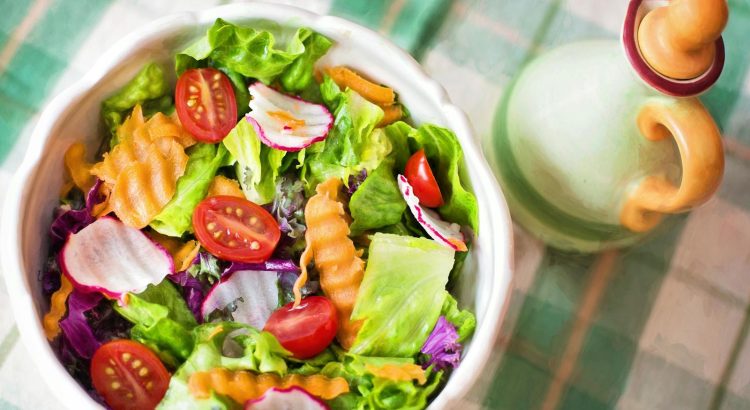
(268, 232)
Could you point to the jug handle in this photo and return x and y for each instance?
(701, 152)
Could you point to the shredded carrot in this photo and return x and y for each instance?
(242, 386)
(341, 269)
(184, 256)
(222, 185)
(57, 309)
(143, 168)
(376, 94)
(182, 253)
(78, 169)
(391, 114)
(401, 373)
(105, 207)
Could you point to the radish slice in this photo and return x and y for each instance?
(284, 122)
(293, 398)
(259, 291)
(446, 233)
(110, 257)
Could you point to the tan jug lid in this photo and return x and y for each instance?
(676, 48)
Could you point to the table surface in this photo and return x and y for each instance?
(662, 325)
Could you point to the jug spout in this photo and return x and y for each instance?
(679, 40)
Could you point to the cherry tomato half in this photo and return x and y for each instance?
(420, 177)
(235, 229)
(205, 103)
(128, 375)
(307, 329)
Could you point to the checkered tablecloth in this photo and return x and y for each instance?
(663, 325)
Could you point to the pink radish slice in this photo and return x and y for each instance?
(284, 122)
(446, 233)
(110, 257)
(293, 398)
(259, 291)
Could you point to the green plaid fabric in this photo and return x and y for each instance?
(663, 325)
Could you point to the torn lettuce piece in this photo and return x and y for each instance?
(255, 54)
(446, 157)
(258, 166)
(401, 294)
(377, 202)
(352, 144)
(149, 88)
(162, 321)
(464, 321)
(368, 391)
(228, 345)
(203, 162)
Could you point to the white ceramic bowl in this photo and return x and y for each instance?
(74, 115)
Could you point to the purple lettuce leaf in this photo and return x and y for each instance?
(355, 181)
(442, 346)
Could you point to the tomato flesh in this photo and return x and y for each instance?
(205, 103)
(235, 229)
(307, 329)
(420, 177)
(128, 375)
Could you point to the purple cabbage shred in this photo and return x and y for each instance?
(193, 290)
(75, 328)
(442, 346)
(69, 221)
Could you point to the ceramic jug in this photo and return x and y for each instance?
(596, 141)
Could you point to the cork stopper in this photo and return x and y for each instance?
(679, 40)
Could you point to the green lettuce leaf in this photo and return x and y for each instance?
(258, 166)
(299, 75)
(464, 321)
(161, 321)
(149, 88)
(241, 93)
(245, 349)
(446, 158)
(377, 202)
(203, 163)
(253, 53)
(351, 144)
(370, 392)
(401, 294)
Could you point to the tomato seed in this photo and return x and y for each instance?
(149, 385)
(232, 244)
(217, 234)
(238, 211)
(191, 102)
(193, 89)
(125, 357)
(136, 363)
(200, 109)
(254, 245)
(109, 371)
(143, 372)
(115, 385)
(211, 226)
(253, 221)
(228, 210)
(217, 77)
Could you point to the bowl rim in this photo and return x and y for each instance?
(497, 222)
